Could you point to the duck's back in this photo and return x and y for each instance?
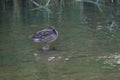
(45, 35)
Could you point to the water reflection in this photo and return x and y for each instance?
(86, 35)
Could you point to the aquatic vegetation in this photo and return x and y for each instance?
(108, 29)
(42, 7)
(78, 52)
(95, 2)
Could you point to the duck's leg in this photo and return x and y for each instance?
(46, 47)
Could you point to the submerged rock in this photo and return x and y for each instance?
(51, 58)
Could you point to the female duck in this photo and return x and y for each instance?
(47, 35)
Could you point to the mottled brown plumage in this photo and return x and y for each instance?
(47, 35)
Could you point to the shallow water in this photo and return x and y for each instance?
(84, 37)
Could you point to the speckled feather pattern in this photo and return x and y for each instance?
(45, 35)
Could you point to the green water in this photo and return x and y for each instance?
(75, 52)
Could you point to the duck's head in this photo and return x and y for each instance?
(53, 30)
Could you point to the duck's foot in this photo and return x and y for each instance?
(45, 48)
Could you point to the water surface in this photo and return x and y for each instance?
(87, 47)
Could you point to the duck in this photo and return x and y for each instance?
(47, 35)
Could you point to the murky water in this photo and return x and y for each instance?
(88, 46)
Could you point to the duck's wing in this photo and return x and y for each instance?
(45, 32)
(48, 35)
(50, 38)
(42, 34)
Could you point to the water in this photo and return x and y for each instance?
(86, 48)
